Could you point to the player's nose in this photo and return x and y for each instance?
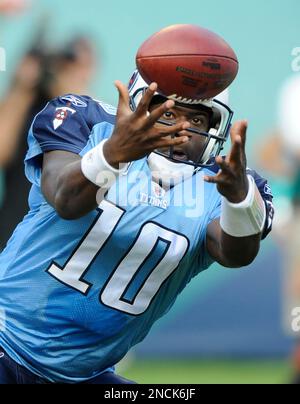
(184, 132)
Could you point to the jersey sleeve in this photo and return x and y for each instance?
(64, 124)
(266, 193)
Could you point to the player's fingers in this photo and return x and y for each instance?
(143, 106)
(123, 106)
(223, 164)
(171, 131)
(239, 128)
(217, 179)
(236, 153)
(239, 132)
(169, 142)
(157, 113)
(177, 130)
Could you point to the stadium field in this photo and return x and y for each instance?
(209, 372)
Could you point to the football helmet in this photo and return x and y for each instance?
(217, 134)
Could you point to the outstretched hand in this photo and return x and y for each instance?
(135, 134)
(232, 180)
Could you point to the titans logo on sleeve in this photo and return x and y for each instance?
(61, 115)
(92, 288)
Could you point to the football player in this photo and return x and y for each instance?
(107, 245)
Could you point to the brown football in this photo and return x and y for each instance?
(189, 63)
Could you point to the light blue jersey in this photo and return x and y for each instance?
(76, 295)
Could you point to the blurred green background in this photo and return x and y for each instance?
(263, 35)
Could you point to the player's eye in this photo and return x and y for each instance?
(168, 115)
(199, 121)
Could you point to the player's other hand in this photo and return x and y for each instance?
(232, 179)
(135, 135)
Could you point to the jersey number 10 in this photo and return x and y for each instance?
(113, 293)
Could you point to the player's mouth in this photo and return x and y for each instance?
(180, 155)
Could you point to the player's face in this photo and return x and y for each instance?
(199, 120)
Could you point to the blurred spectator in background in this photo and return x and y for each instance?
(9, 8)
(13, 6)
(280, 155)
(41, 76)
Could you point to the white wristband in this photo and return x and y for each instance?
(246, 218)
(97, 170)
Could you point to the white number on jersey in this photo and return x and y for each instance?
(114, 293)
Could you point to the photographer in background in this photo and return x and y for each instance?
(41, 76)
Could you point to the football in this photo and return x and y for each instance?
(189, 63)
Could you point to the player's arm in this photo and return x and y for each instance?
(70, 183)
(234, 240)
(64, 185)
(231, 252)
